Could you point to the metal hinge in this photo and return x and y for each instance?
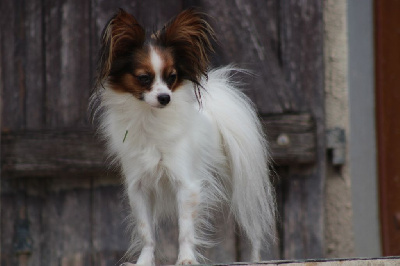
(336, 144)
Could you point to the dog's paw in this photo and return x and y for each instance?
(187, 262)
(146, 257)
(144, 263)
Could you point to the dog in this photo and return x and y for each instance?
(185, 137)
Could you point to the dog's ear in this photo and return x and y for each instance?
(189, 37)
(120, 37)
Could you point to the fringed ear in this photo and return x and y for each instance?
(121, 36)
(189, 37)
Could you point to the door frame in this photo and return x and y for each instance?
(362, 144)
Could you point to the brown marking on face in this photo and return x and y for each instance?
(137, 77)
(190, 37)
(142, 62)
(121, 36)
(170, 76)
(129, 83)
(184, 43)
(140, 77)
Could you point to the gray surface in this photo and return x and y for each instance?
(363, 163)
(385, 261)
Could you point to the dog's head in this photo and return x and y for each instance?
(152, 68)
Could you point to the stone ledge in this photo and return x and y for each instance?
(382, 261)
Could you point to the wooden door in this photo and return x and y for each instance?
(387, 39)
(59, 204)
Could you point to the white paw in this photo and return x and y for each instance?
(145, 262)
(186, 262)
(146, 257)
(186, 255)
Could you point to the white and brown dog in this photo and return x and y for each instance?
(185, 137)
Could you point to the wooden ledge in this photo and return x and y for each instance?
(291, 138)
(65, 152)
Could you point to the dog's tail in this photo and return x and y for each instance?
(243, 139)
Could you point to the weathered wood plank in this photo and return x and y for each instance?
(12, 48)
(66, 218)
(9, 213)
(35, 197)
(21, 224)
(39, 153)
(292, 138)
(302, 61)
(22, 54)
(67, 53)
(110, 223)
(33, 69)
(46, 153)
(248, 35)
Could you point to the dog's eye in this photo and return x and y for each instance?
(171, 79)
(144, 79)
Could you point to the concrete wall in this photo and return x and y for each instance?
(363, 163)
(339, 235)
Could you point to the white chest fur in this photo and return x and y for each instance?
(150, 141)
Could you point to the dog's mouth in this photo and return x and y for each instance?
(160, 106)
(160, 101)
(157, 105)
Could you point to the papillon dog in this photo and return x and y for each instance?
(186, 138)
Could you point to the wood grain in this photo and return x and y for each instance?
(12, 78)
(248, 36)
(9, 214)
(67, 53)
(302, 60)
(34, 66)
(61, 153)
(110, 222)
(34, 203)
(292, 138)
(66, 222)
(51, 153)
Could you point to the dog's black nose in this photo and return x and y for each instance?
(163, 99)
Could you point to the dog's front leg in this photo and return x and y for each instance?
(188, 199)
(142, 209)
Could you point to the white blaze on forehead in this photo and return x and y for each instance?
(157, 64)
(159, 86)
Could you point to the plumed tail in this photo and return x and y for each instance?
(252, 195)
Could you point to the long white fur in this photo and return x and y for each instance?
(184, 159)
